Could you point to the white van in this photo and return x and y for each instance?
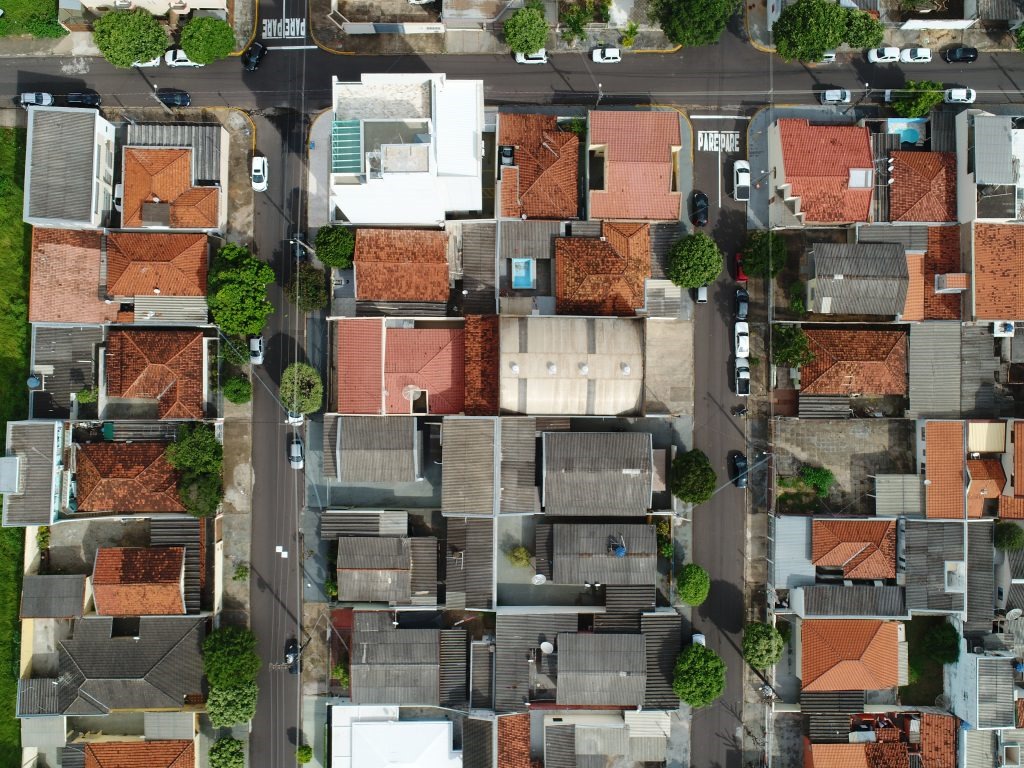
(702, 294)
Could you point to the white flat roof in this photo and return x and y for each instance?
(369, 736)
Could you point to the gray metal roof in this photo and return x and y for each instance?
(601, 669)
(515, 636)
(861, 279)
(852, 601)
(346, 522)
(933, 365)
(203, 139)
(479, 268)
(518, 489)
(469, 563)
(560, 746)
(468, 471)
(913, 237)
(481, 675)
(663, 633)
(36, 446)
(664, 235)
(169, 725)
(52, 596)
(597, 473)
(59, 171)
(38, 696)
(981, 594)
(929, 545)
(792, 557)
(393, 570)
(606, 740)
(995, 692)
(528, 239)
(993, 150)
(942, 130)
(72, 353)
(393, 666)
(423, 570)
(897, 495)
(330, 445)
(979, 370)
(979, 747)
(833, 702)
(376, 449)
(453, 670)
(171, 310)
(663, 298)
(585, 553)
(44, 732)
(477, 743)
(999, 10)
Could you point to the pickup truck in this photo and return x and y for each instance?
(742, 377)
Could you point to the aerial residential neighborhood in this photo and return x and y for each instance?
(466, 384)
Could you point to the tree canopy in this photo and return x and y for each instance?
(226, 752)
(238, 390)
(229, 657)
(693, 23)
(526, 30)
(694, 261)
(764, 254)
(206, 39)
(335, 246)
(308, 288)
(1009, 537)
(821, 479)
(862, 29)
(699, 676)
(237, 291)
(918, 98)
(126, 37)
(302, 390)
(693, 584)
(943, 644)
(692, 478)
(790, 346)
(199, 457)
(232, 705)
(762, 645)
(808, 28)
(303, 754)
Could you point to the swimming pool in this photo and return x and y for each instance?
(523, 276)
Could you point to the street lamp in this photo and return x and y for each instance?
(156, 96)
(600, 93)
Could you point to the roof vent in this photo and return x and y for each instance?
(514, 367)
(584, 369)
(552, 369)
(626, 370)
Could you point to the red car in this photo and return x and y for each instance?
(741, 276)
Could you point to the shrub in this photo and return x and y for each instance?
(199, 458)
(232, 705)
(764, 254)
(235, 351)
(229, 657)
(241, 572)
(693, 584)
(307, 288)
(819, 478)
(302, 390)
(340, 673)
(694, 261)
(237, 291)
(206, 39)
(575, 20)
(125, 37)
(629, 35)
(303, 754)
(226, 752)
(942, 644)
(43, 537)
(87, 395)
(520, 556)
(918, 98)
(526, 30)
(335, 246)
(791, 347)
(699, 676)
(762, 645)
(796, 293)
(863, 30)
(331, 588)
(42, 26)
(1009, 537)
(666, 546)
(238, 389)
(692, 479)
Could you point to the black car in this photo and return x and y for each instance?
(960, 55)
(84, 99)
(700, 209)
(174, 98)
(742, 303)
(291, 655)
(739, 470)
(253, 55)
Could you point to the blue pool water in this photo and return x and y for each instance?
(522, 273)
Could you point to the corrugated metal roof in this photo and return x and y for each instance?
(980, 572)
(330, 445)
(979, 370)
(345, 522)
(560, 746)
(469, 563)
(586, 553)
(995, 693)
(518, 490)
(664, 235)
(979, 747)
(663, 632)
(479, 268)
(169, 725)
(35, 444)
(375, 449)
(374, 569)
(453, 672)
(606, 473)
(934, 366)
(468, 471)
(663, 298)
(861, 279)
(605, 740)
(853, 601)
(993, 148)
(59, 171)
(393, 666)
(171, 310)
(528, 239)
(52, 596)
(73, 756)
(423, 570)
(72, 353)
(601, 669)
(477, 743)
(44, 732)
(943, 130)
(515, 636)
(897, 495)
(929, 545)
(913, 237)
(623, 605)
(832, 701)
(829, 728)
(37, 696)
(203, 139)
(792, 556)
(481, 684)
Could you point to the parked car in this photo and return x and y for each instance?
(828, 58)
(253, 55)
(256, 350)
(742, 377)
(298, 249)
(151, 63)
(741, 276)
(176, 57)
(741, 339)
(83, 99)
(916, 55)
(291, 655)
(886, 55)
(742, 303)
(173, 98)
(702, 294)
(296, 455)
(835, 96)
(960, 96)
(259, 173)
(507, 153)
(35, 99)
(606, 56)
(698, 639)
(295, 419)
(118, 196)
(699, 217)
(960, 55)
(739, 469)
(537, 57)
(741, 181)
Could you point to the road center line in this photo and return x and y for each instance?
(291, 47)
(718, 117)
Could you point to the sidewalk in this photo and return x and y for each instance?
(74, 44)
(236, 518)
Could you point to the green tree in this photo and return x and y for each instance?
(863, 30)
(229, 657)
(629, 35)
(526, 30)
(1009, 537)
(303, 754)
(235, 351)
(237, 291)
(918, 98)
(764, 254)
(125, 37)
(943, 644)
(762, 645)
(699, 676)
(519, 556)
(87, 395)
(692, 478)
(695, 260)
(308, 288)
(238, 390)
(694, 23)
(335, 246)
(820, 479)
(301, 390)
(206, 39)
(199, 458)
(232, 705)
(574, 20)
(1019, 38)
(808, 28)
(693, 584)
(226, 752)
(791, 347)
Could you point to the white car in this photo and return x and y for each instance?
(118, 196)
(741, 181)
(294, 419)
(177, 58)
(835, 96)
(296, 456)
(606, 56)
(960, 96)
(884, 55)
(741, 339)
(537, 57)
(699, 639)
(828, 58)
(151, 63)
(256, 350)
(916, 55)
(259, 173)
(36, 99)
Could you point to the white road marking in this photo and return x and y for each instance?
(283, 27)
(718, 141)
(719, 117)
(76, 66)
(291, 47)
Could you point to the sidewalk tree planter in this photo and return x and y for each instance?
(808, 28)
(693, 584)
(918, 98)
(227, 753)
(764, 255)
(693, 23)
(694, 261)
(206, 39)
(863, 30)
(307, 288)
(238, 390)
(237, 291)
(692, 478)
(233, 705)
(125, 37)
(526, 31)
(762, 645)
(229, 657)
(301, 390)
(699, 676)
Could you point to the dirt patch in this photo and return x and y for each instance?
(316, 654)
(73, 547)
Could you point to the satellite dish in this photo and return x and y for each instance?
(546, 648)
(538, 579)
(410, 392)
(33, 382)
(1014, 613)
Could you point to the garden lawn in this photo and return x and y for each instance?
(31, 17)
(928, 672)
(15, 241)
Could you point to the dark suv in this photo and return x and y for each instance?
(174, 98)
(253, 56)
(960, 55)
(85, 99)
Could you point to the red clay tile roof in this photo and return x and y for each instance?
(514, 741)
(998, 272)
(835, 756)
(848, 362)
(543, 183)
(603, 276)
(1020, 713)
(944, 469)
(165, 176)
(865, 549)
(360, 346)
(913, 305)
(942, 258)
(638, 167)
(431, 359)
(125, 477)
(166, 366)
(817, 160)
(938, 739)
(139, 262)
(401, 265)
(1011, 507)
(959, 280)
(924, 186)
(887, 755)
(140, 754)
(65, 281)
(849, 655)
(139, 581)
(482, 352)
(987, 480)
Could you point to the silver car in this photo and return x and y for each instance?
(256, 350)
(296, 455)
